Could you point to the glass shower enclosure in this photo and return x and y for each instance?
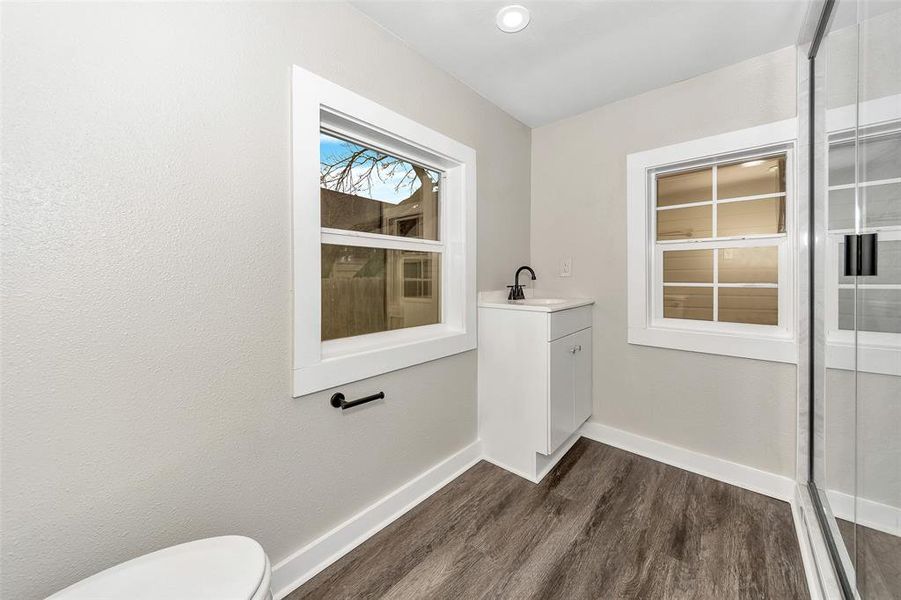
(854, 131)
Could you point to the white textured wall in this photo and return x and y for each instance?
(146, 369)
(736, 409)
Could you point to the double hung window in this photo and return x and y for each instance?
(384, 238)
(711, 240)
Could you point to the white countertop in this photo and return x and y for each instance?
(536, 301)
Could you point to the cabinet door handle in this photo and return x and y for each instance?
(575, 349)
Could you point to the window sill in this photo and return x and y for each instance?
(868, 356)
(773, 348)
(353, 359)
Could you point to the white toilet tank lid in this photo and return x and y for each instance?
(230, 567)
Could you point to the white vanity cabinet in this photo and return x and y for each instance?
(535, 383)
(569, 386)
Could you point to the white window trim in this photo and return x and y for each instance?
(875, 352)
(318, 103)
(646, 327)
(421, 280)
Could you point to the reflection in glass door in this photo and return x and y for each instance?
(857, 275)
(877, 304)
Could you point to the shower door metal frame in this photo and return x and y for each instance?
(820, 30)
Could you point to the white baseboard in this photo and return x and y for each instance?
(302, 565)
(292, 572)
(749, 478)
(874, 515)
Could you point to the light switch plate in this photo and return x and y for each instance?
(566, 267)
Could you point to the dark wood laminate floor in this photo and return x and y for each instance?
(603, 524)
(877, 558)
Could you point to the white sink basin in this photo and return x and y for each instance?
(543, 303)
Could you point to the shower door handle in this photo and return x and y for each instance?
(860, 254)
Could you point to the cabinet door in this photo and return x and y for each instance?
(582, 384)
(561, 390)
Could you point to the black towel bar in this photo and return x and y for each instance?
(338, 400)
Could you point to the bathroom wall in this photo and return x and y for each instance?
(146, 368)
(737, 409)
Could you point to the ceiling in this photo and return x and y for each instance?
(575, 56)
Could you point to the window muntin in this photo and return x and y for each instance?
(748, 265)
(878, 310)
(863, 195)
(749, 200)
(754, 306)
(878, 157)
(650, 323)
(693, 303)
(875, 309)
(720, 257)
(321, 106)
(365, 288)
(757, 177)
(683, 223)
(689, 187)
(751, 217)
(368, 190)
(688, 266)
(419, 273)
(882, 207)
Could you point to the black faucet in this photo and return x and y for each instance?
(516, 288)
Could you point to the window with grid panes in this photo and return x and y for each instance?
(873, 158)
(717, 234)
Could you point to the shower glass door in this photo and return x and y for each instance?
(877, 303)
(857, 283)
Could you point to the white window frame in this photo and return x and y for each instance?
(876, 352)
(647, 326)
(420, 280)
(319, 104)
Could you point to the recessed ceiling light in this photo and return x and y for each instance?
(513, 18)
